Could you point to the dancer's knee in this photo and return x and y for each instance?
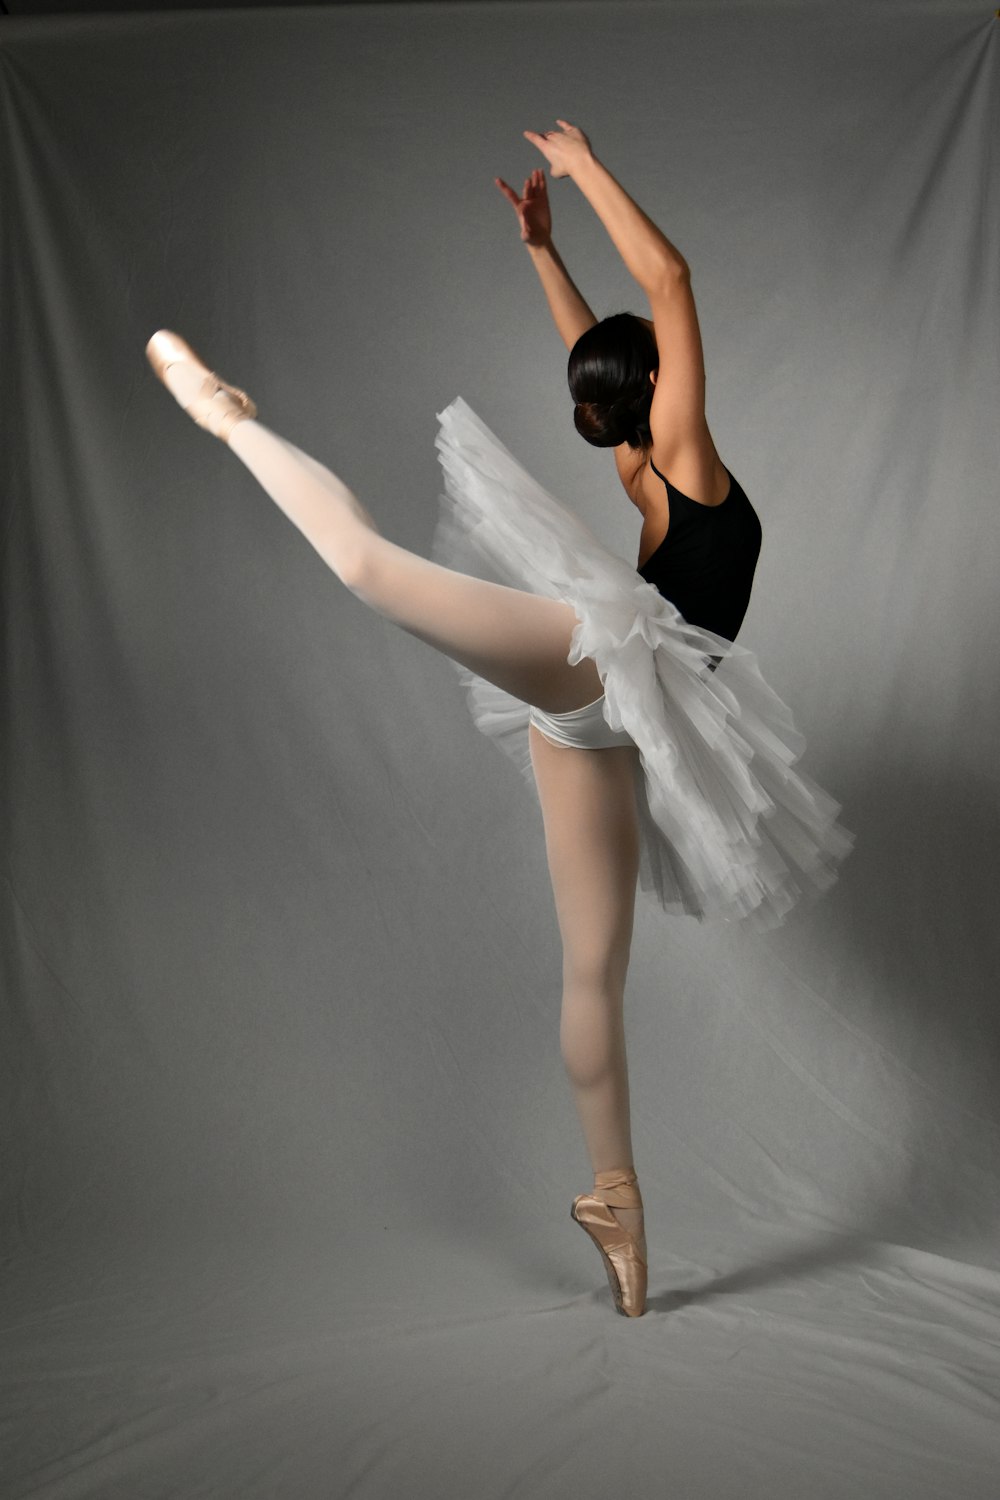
(354, 567)
(597, 969)
(359, 564)
(591, 1038)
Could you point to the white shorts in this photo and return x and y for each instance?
(583, 728)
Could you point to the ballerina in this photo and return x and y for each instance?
(650, 766)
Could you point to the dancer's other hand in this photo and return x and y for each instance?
(533, 212)
(564, 149)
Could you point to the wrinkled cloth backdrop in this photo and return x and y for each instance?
(288, 1148)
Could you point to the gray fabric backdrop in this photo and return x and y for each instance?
(288, 1150)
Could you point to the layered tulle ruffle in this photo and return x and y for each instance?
(728, 827)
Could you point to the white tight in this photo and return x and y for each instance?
(520, 641)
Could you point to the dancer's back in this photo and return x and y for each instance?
(706, 562)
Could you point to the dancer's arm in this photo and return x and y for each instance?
(570, 312)
(645, 249)
(677, 417)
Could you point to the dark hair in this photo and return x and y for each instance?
(609, 380)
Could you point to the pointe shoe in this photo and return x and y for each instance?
(625, 1266)
(217, 406)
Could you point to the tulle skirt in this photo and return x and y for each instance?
(729, 829)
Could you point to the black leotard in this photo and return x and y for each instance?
(705, 564)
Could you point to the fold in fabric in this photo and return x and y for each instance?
(728, 829)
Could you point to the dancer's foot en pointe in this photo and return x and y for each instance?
(623, 1249)
(208, 400)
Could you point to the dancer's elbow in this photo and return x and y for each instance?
(671, 268)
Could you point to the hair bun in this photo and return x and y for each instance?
(607, 426)
(608, 373)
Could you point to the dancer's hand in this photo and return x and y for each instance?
(532, 208)
(564, 149)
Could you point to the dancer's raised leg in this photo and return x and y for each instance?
(517, 640)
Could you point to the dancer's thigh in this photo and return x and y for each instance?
(517, 640)
(592, 843)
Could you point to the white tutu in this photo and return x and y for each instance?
(727, 828)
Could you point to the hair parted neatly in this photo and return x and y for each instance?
(608, 374)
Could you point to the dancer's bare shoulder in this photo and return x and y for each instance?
(650, 499)
(633, 468)
(697, 472)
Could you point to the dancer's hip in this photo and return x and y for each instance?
(583, 728)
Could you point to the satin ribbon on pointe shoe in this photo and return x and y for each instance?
(625, 1267)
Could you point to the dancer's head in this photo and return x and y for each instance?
(609, 371)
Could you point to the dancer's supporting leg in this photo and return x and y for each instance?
(515, 639)
(592, 843)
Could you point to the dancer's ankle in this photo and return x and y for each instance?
(618, 1183)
